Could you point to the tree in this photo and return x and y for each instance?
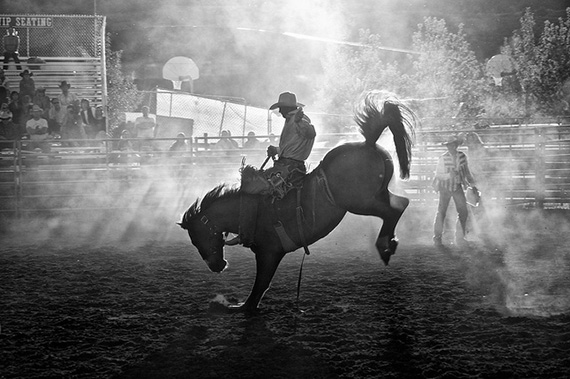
(542, 64)
(122, 93)
(349, 71)
(446, 69)
(553, 61)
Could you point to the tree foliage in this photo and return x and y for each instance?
(445, 69)
(122, 93)
(447, 77)
(351, 70)
(542, 63)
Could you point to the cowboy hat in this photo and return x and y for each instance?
(5, 115)
(36, 108)
(26, 72)
(64, 84)
(458, 138)
(286, 99)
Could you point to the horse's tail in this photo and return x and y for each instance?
(381, 109)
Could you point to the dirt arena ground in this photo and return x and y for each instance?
(142, 307)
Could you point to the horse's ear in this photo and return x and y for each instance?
(182, 225)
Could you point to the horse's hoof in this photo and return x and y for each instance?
(388, 252)
(385, 256)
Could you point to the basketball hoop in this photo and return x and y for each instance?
(498, 66)
(179, 70)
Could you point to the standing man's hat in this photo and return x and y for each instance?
(26, 72)
(287, 99)
(64, 84)
(454, 139)
(36, 108)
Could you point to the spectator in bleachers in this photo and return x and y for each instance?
(15, 107)
(145, 127)
(43, 101)
(57, 115)
(4, 88)
(117, 130)
(225, 142)
(272, 140)
(126, 149)
(179, 145)
(11, 44)
(72, 127)
(88, 118)
(37, 128)
(66, 97)
(8, 130)
(235, 144)
(251, 142)
(27, 84)
(100, 119)
(25, 110)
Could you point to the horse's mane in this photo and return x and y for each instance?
(218, 192)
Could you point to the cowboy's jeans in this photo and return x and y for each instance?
(460, 204)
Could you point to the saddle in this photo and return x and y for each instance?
(275, 182)
(272, 186)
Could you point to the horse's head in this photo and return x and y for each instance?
(205, 234)
(207, 238)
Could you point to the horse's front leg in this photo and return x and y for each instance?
(266, 265)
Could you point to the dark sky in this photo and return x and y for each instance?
(211, 32)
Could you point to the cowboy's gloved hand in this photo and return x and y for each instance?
(272, 151)
(299, 115)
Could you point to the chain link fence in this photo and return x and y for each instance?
(57, 35)
(212, 115)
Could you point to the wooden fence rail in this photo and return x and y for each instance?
(523, 166)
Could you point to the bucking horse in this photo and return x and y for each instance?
(352, 177)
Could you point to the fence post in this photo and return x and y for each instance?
(222, 121)
(539, 165)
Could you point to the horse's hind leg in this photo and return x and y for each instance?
(389, 208)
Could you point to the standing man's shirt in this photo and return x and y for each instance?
(145, 127)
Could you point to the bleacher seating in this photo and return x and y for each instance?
(84, 74)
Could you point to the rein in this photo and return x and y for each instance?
(300, 219)
(214, 230)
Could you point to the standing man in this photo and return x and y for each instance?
(145, 127)
(295, 145)
(452, 173)
(11, 44)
